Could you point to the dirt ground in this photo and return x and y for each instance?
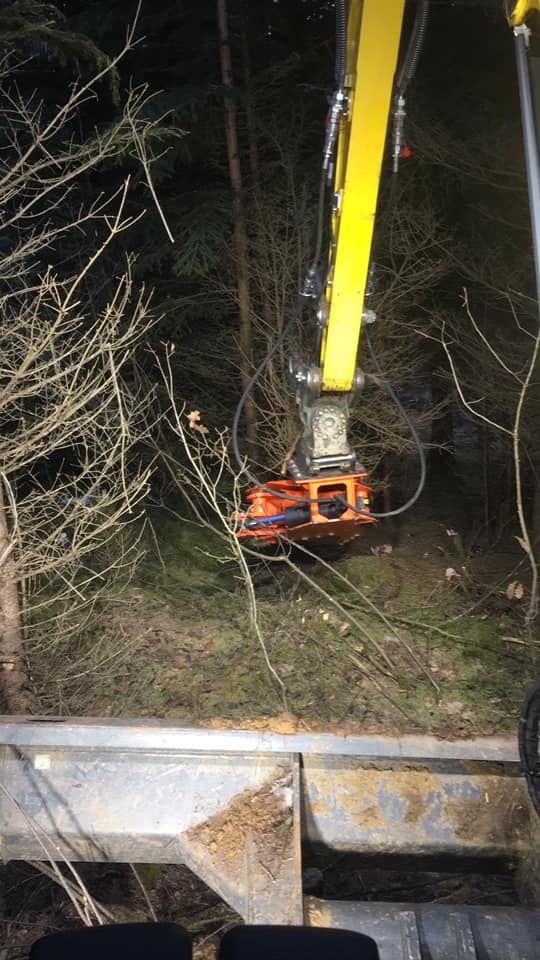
(415, 635)
(419, 635)
(32, 905)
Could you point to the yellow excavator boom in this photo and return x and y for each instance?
(374, 32)
(521, 11)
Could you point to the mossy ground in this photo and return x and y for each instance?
(393, 648)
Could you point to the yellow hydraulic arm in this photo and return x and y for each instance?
(374, 31)
(324, 493)
(521, 11)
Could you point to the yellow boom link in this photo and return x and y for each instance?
(521, 11)
(374, 31)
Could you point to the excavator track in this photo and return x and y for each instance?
(529, 743)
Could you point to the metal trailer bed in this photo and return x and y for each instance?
(239, 808)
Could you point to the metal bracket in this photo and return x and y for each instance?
(324, 446)
(311, 287)
(233, 822)
(523, 31)
(397, 133)
(337, 110)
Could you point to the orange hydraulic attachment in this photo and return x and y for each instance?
(272, 515)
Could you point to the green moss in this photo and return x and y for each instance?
(405, 664)
(479, 637)
(191, 559)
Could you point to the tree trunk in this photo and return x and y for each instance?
(441, 461)
(253, 151)
(240, 237)
(486, 480)
(14, 680)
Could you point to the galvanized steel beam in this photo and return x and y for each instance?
(234, 821)
(167, 735)
(430, 808)
(230, 804)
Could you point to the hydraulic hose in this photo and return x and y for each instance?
(319, 233)
(405, 74)
(530, 143)
(415, 436)
(407, 69)
(307, 500)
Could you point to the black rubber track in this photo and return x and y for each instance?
(529, 743)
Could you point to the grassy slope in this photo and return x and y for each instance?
(178, 644)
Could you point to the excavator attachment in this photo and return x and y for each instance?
(309, 509)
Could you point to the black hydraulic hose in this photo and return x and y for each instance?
(530, 144)
(240, 460)
(341, 40)
(340, 64)
(407, 69)
(415, 435)
(319, 234)
(287, 496)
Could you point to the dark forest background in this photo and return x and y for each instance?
(456, 216)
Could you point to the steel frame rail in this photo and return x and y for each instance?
(238, 807)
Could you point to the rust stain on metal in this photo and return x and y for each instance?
(419, 789)
(355, 795)
(500, 814)
(317, 914)
(358, 792)
(485, 808)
